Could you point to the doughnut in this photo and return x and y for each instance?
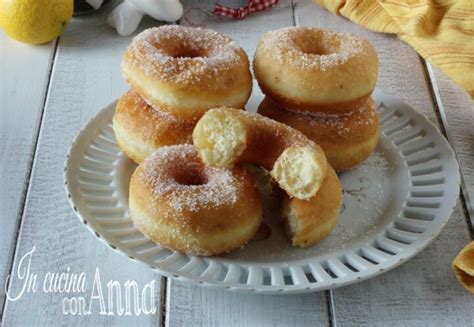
(226, 136)
(307, 69)
(305, 221)
(308, 222)
(140, 129)
(186, 71)
(347, 140)
(186, 206)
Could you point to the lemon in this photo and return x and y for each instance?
(35, 21)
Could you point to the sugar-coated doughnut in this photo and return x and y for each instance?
(189, 207)
(308, 222)
(186, 70)
(313, 70)
(141, 129)
(347, 140)
(226, 136)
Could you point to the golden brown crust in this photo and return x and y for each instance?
(267, 140)
(186, 71)
(347, 140)
(186, 206)
(309, 221)
(338, 108)
(141, 129)
(309, 69)
(463, 266)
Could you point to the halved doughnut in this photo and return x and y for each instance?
(225, 136)
(141, 129)
(308, 222)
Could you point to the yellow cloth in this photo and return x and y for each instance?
(441, 31)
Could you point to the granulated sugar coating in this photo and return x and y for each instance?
(311, 48)
(177, 174)
(366, 197)
(342, 125)
(182, 54)
(280, 130)
(345, 125)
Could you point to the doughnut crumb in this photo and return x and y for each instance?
(298, 172)
(220, 138)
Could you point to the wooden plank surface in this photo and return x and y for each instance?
(457, 115)
(24, 72)
(85, 78)
(423, 291)
(190, 305)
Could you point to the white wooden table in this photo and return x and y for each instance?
(49, 92)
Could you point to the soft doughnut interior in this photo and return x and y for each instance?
(220, 138)
(299, 172)
(227, 136)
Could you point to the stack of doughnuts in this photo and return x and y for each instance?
(176, 74)
(320, 83)
(199, 198)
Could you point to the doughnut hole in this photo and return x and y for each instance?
(219, 138)
(190, 177)
(187, 52)
(317, 44)
(298, 171)
(181, 49)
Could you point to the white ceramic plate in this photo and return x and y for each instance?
(394, 205)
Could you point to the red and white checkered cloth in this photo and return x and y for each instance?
(242, 12)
